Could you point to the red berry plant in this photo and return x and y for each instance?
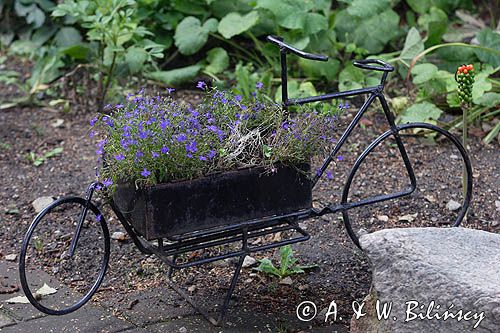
(465, 79)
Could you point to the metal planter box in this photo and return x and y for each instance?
(220, 199)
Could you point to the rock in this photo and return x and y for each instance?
(40, 203)
(192, 288)
(57, 123)
(430, 198)
(383, 218)
(286, 281)
(183, 330)
(497, 204)
(408, 217)
(119, 236)
(454, 157)
(11, 257)
(453, 205)
(495, 223)
(424, 271)
(249, 261)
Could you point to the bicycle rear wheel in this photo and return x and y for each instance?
(431, 193)
(45, 256)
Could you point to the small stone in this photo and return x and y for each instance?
(248, 261)
(495, 224)
(383, 218)
(247, 281)
(303, 287)
(408, 217)
(430, 198)
(303, 225)
(192, 288)
(454, 157)
(286, 281)
(119, 236)
(40, 203)
(497, 204)
(58, 123)
(183, 330)
(362, 232)
(453, 205)
(11, 257)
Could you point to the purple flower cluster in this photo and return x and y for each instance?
(158, 139)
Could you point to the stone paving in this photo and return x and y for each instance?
(152, 313)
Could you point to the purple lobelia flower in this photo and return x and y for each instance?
(259, 85)
(119, 157)
(164, 150)
(107, 182)
(201, 85)
(145, 173)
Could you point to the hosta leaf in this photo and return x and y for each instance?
(435, 23)
(218, 60)
(316, 69)
(420, 112)
(190, 36)
(175, 76)
(234, 24)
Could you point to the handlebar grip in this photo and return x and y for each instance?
(368, 64)
(279, 41)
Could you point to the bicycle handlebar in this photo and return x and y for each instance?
(279, 41)
(367, 64)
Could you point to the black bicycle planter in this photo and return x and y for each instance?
(180, 218)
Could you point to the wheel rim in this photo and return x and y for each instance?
(80, 202)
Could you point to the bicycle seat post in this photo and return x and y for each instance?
(284, 83)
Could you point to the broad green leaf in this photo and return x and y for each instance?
(218, 60)
(413, 45)
(78, 52)
(211, 25)
(491, 39)
(190, 36)
(420, 6)
(43, 34)
(420, 112)
(351, 78)
(423, 72)
(296, 20)
(190, 7)
(489, 100)
(481, 85)
(221, 7)
(367, 8)
(36, 17)
(135, 58)
(453, 99)
(317, 69)
(368, 33)
(315, 23)
(67, 36)
(234, 24)
(296, 90)
(435, 23)
(176, 76)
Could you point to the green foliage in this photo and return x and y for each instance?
(38, 160)
(288, 264)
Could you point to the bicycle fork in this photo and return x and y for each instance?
(83, 214)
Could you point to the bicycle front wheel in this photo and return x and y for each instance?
(46, 258)
(406, 179)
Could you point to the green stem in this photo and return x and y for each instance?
(108, 82)
(464, 142)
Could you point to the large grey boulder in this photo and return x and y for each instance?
(429, 273)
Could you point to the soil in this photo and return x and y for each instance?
(342, 273)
